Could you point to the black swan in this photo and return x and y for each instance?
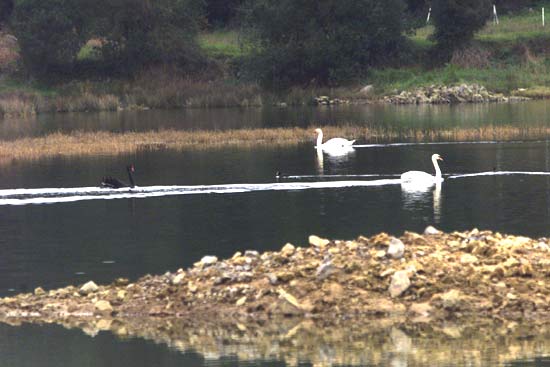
(115, 183)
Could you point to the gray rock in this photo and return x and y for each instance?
(103, 306)
(178, 279)
(288, 250)
(209, 260)
(400, 282)
(251, 253)
(430, 230)
(325, 270)
(396, 248)
(318, 241)
(451, 299)
(272, 278)
(88, 288)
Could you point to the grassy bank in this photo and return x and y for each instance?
(515, 54)
(107, 143)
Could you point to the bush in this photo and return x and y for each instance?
(505, 6)
(320, 42)
(139, 33)
(221, 13)
(6, 8)
(456, 21)
(49, 33)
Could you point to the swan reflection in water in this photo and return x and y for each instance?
(335, 157)
(418, 196)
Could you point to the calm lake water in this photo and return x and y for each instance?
(219, 201)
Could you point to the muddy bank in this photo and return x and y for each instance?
(443, 276)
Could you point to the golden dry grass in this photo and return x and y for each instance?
(107, 143)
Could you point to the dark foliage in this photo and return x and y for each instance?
(137, 33)
(131, 34)
(320, 42)
(49, 33)
(222, 13)
(456, 21)
(6, 8)
(415, 13)
(418, 8)
(505, 6)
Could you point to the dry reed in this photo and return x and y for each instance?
(107, 143)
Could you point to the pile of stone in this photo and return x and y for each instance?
(435, 274)
(440, 94)
(327, 101)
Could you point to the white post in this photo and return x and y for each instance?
(543, 16)
(428, 17)
(495, 16)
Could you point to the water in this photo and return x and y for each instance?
(220, 201)
(382, 115)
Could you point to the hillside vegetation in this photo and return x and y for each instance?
(257, 63)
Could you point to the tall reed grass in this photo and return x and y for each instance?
(107, 143)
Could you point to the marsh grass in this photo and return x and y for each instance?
(157, 89)
(107, 143)
(15, 104)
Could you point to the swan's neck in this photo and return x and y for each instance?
(131, 177)
(319, 139)
(437, 169)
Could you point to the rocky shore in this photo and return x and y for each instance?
(440, 94)
(442, 276)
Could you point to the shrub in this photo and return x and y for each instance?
(49, 33)
(319, 42)
(6, 8)
(221, 13)
(456, 21)
(137, 33)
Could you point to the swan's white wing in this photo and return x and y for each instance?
(338, 142)
(419, 176)
(338, 151)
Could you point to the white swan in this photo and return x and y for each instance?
(332, 144)
(424, 178)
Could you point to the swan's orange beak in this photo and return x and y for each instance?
(440, 158)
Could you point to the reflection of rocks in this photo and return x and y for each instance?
(437, 94)
(314, 341)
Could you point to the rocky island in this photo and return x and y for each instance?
(434, 274)
(476, 296)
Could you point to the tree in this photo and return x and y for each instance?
(49, 33)
(6, 8)
(324, 41)
(136, 33)
(456, 21)
(222, 12)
